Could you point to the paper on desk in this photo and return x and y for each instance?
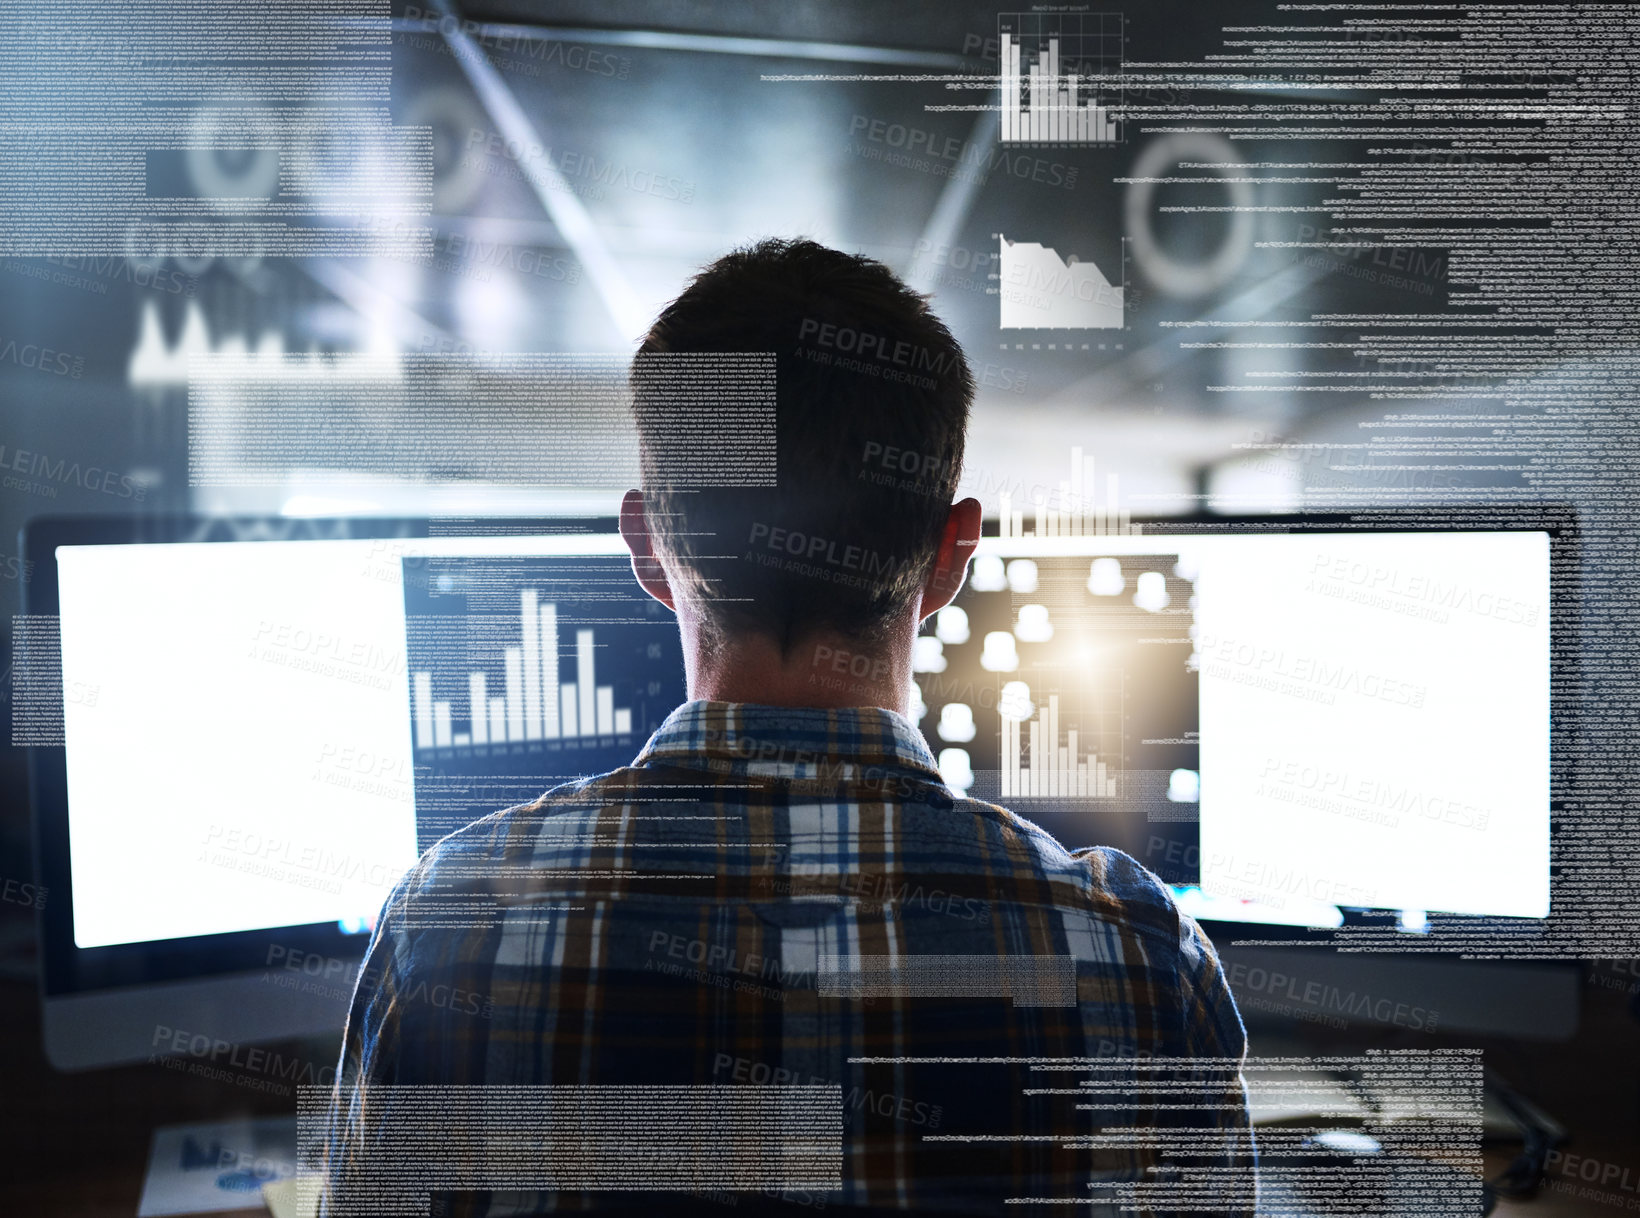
(216, 1165)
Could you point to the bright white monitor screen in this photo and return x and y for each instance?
(1373, 710)
(1373, 723)
(243, 757)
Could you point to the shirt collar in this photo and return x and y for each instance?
(789, 741)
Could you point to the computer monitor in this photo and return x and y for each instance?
(1290, 719)
(1287, 717)
(272, 719)
(1310, 726)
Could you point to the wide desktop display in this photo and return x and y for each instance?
(1290, 720)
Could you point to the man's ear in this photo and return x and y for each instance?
(646, 566)
(957, 542)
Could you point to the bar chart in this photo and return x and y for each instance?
(1054, 68)
(525, 671)
(534, 702)
(1058, 766)
(1075, 511)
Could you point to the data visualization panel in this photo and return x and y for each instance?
(1054, 68)
(523, 670)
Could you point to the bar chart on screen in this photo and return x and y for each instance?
(1045, 758)
(1061, 674)
(1075, 509)
(535, 704)
(542, 658)
(1055, 69)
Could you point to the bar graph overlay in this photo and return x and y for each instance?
(526, 671)
(1054, 69)
(1040, 290)
(1061, 681)
(526, 656)
(1042, 759)
(1076, 510)
(534, 702)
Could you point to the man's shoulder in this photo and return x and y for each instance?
(528, 831)
(1116, 886)
(552, 832)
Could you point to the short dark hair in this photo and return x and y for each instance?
(871, 407)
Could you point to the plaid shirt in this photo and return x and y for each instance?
(671, 924)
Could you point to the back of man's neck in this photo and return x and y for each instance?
(826, 670)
